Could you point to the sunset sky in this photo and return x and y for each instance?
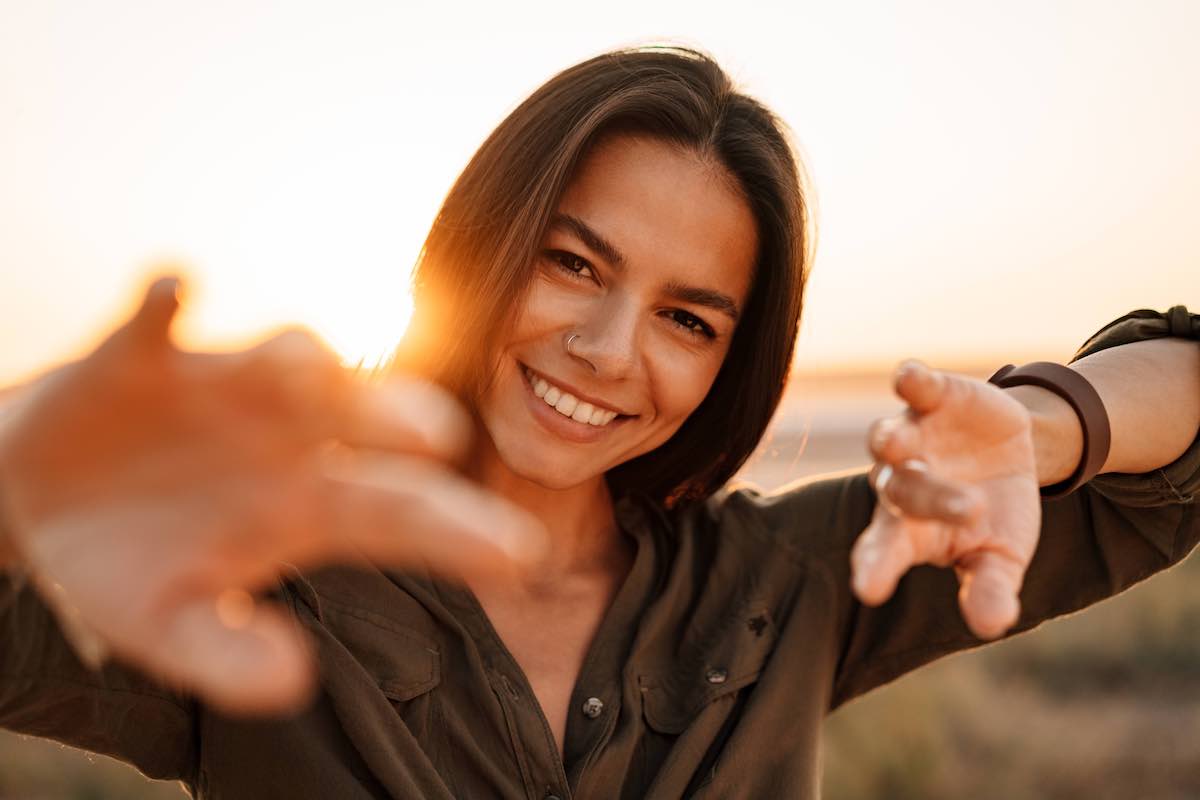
(995, 181)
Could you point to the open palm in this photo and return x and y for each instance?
(962, 491)
(151, 490)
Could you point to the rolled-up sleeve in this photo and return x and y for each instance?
(1179, 481)
(46, 691)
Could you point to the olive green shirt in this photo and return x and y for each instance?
(731, 638)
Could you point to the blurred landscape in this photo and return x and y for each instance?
(1103, 704)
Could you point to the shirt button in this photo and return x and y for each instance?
(716, 676)
(592, 708)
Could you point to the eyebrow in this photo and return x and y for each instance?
(717, 301)
(589, 237)
(710, 298)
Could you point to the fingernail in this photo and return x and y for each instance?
(956, 505)
(883, 432)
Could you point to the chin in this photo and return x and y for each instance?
(548, 473)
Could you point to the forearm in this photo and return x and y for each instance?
(1151, 391)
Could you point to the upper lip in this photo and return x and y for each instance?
(569, 388)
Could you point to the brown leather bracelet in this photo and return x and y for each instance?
(1075, 389)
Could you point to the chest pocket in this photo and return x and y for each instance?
(732, 658)
(401, 661)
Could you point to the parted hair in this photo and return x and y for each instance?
(479, 256)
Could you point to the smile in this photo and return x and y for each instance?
(568, 404)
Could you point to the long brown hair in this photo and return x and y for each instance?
(479, 255)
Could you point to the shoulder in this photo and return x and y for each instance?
(775, 546)
(814, 517)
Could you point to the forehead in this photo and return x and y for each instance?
(673, 214)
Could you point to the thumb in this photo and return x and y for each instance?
(879, 558)
(151, 323)
(990, 582)
(240, 657)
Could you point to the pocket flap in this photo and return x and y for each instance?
(403, 662)
(675, 695)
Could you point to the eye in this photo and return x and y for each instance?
(691, 323)
(574, 266)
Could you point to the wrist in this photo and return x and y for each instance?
(1057, 433)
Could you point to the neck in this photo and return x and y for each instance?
(585, 542)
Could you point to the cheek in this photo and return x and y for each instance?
(681, 384)
(546, 306)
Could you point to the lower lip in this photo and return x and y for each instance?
(565, 427)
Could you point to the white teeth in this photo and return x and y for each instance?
(569, 405)
(566, 404)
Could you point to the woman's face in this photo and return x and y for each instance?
(649, 260)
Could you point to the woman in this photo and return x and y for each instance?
(612, 290)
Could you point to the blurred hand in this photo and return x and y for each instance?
(963, 492)
(151, 490)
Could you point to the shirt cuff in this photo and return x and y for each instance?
(1179, 481)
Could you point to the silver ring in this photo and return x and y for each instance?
(570, 339)
(881, 481)
(885, 474)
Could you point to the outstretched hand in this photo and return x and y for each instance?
(151, 491)
(962, 491)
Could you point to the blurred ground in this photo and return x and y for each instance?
(1104, 704)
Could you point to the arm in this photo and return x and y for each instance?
(1151, 391)
(46, 691)
(1137, 518)
(146, 491)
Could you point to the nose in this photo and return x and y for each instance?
(607, 340)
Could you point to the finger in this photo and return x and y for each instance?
(988, 595)
(407, 416)
(256, 663)
(291, 380)
(912, 490)
(298, 386)
(408, 510)
(922, 387)
(151, 323)
(894, 439)
(881, 555)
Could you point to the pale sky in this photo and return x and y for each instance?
(995, 181)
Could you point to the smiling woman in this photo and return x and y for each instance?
(616, 283)
(641, 185)
(611, 292)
